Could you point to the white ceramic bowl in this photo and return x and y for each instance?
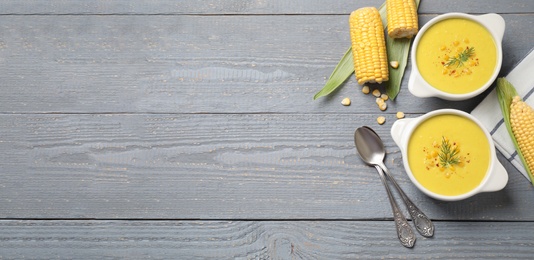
(496, 176)
(494, 23)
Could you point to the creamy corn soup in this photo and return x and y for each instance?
(448, 154)
(456, 55)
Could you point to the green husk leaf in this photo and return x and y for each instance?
(343, 70)
(345, 67)
(400, 49)
(505, 93)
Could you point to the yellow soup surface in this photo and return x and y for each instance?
(448, 154)
(456, 55)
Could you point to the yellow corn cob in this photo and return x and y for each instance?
(402, 18)
(368, 46)
(522, 123)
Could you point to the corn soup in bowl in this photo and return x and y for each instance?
(449, 155)
(456, 56)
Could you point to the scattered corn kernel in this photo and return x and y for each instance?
(442, 48)
(379, 101)
(385, 97)
(467, 71)
(383, 106)
(380, 120)
(366, 90)
(400, 115)
(455, 43)
(394, 64)
(376, 93)
(466, 40)
(345, 101)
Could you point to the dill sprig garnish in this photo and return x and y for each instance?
(447, 155)
(461, 58)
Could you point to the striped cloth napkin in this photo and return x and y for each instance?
(490, 115)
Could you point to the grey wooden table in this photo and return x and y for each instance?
(172, 129)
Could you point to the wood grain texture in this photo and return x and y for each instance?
(258, 240)
(194, 64)
(213, 166)
(173, 129)
(245, 7)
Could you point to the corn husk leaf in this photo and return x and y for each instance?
(397, 50)
(505, 93)
(342, 72)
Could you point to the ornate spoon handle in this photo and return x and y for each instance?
(422, 223)
(404, 231)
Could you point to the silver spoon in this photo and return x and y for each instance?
(373, 152)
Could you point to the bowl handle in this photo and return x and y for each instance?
(418, 87)
(495, 23)
(498, 178)
(397, 129)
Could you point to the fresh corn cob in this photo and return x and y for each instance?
(402, 18)
(368, 46)
(522, 123)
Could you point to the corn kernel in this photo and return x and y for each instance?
(466, 40)
(394, 64)
(345, 101)
(380, 120)
(467, 71)
(400, 115)
(442, 48)
(365, 90)
(455, 43)
(376, 93)
(379, 101)
(385, 97)
(383, 106)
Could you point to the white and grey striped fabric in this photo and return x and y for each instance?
(489, 111)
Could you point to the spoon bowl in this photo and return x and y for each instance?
(369, 146)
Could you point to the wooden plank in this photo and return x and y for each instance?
(212, 166)
(244, 7)
(259, 240)
(193, 64)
